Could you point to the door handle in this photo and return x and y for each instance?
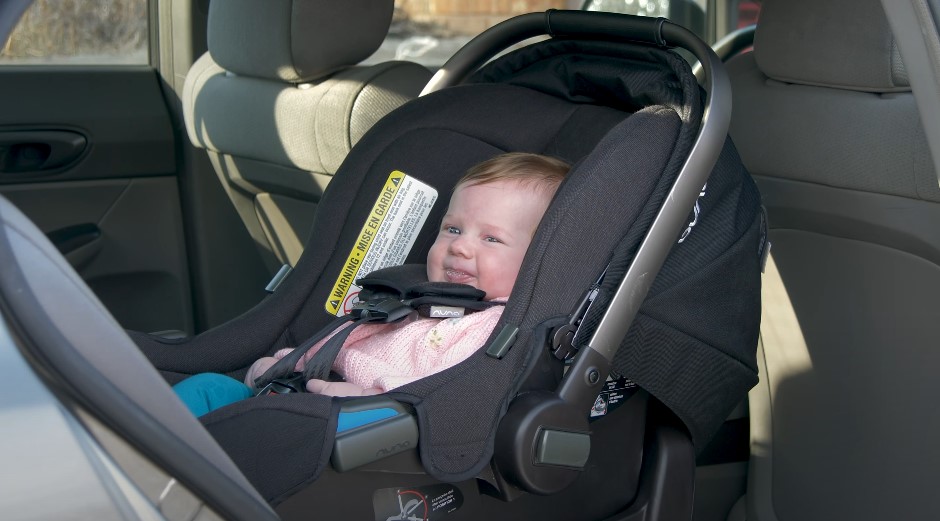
(39, 150)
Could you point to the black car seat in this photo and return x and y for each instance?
(559, 98)
(506, 433)
(278, 101)
(825, 120)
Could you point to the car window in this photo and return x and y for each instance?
(430, 32)
(728, 15)
(79, 32)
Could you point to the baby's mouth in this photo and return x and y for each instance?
(457, 276)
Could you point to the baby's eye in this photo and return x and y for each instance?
(490, 238)
(452, 229)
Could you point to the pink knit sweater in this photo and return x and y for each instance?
(386, 356)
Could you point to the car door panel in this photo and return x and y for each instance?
(90, 156)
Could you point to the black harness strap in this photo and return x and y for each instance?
(388, 295)
(284, 367)
(321, 363)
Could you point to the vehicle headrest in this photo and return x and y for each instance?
(844, 44)
(295, 40)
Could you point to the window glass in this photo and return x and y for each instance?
(430, 32)
(692, 14)
(81, 32)
(745, 13)
(636, 7)
(687, 13)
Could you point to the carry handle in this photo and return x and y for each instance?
(569, 23)
(592, 365)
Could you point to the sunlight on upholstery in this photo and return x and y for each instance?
(782, 347)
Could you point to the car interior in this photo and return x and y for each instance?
(552, 420)
(175, 210)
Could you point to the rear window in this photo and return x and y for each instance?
(430, 32)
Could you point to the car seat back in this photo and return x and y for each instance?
(826, 122)
(278, 101)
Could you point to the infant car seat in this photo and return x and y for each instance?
(506, 433)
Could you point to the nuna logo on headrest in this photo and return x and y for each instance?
(696, 210)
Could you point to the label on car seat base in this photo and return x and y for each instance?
(386, 237)
(616, 391)
(423, 503)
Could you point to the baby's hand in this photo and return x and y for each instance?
(339, 388)
(258, 368)
(281, 353)
(262, 365)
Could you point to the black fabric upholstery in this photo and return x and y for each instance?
(693, 343)
(277, 463)
(627, 117)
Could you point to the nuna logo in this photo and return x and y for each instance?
(393, 449)
(446, 312)
(696, 210)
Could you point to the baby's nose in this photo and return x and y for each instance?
(461, 246)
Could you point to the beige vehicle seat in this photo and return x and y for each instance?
(844, 423)
(277, 102)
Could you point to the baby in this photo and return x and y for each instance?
(493, 213)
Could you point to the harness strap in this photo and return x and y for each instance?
(285, 366)
(321, 363)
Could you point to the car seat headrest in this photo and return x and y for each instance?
(274, 39)
(845, 44)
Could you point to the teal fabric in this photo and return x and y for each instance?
(351, 420)
(207, 392)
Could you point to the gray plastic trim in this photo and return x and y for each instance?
(377, 440)
(567, 449)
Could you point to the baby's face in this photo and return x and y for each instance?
(485, 234)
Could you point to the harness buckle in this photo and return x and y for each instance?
(289, 384)
(382, 310)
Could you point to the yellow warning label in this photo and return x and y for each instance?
(366, 236)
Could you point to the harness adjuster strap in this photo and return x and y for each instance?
(284, 367)
(319, 366)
